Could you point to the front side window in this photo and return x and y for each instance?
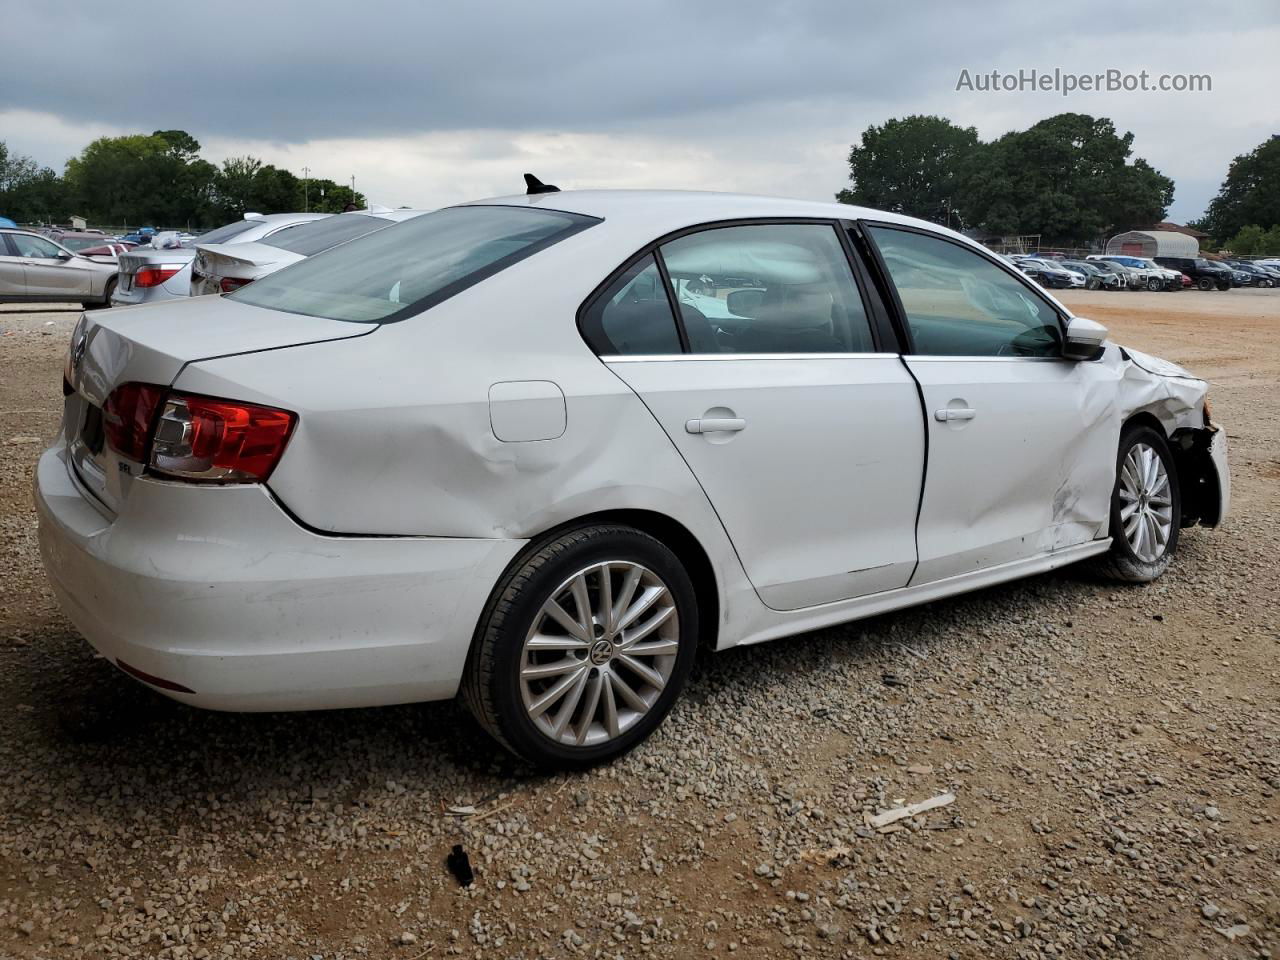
(408, 268)
(308, 239)
(767, 288)
(37, 248)
(960, 304)
(633, 315)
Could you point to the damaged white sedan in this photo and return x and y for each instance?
(539, 449)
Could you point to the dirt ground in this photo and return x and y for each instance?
(1114, 754)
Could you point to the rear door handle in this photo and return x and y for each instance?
(943, 414)
(715, 425)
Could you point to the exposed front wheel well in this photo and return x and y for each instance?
(1197, 478)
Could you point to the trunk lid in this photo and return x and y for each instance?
(237, 261)
(151, 345)
(134, 260)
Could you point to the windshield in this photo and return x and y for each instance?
(76, 244)
(310, 238)
(395, 273)
(223, 234)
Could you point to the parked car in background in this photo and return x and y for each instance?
(1048, 273)
(148, 273)
(223, 267)
(1147, 277)
(1172, 278)
(1205, 274)
(1272, 270)
(508, 492)
(1095, 277)
(91, 244)
(1258, 276)
(140, 236)
(1125, 279)
(37, 269)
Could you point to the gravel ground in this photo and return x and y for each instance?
(1114, 755)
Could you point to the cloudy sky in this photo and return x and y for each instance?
(431, 103)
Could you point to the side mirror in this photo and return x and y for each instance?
(64, 255)
(1084, 340)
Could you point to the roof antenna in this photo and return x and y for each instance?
(534, 185)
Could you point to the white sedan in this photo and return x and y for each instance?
(508, 449)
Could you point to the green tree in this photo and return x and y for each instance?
(29, 192)
(137, 178)
(1253, 241)
(914, 166)
(1250, 194)
(235, 185)
(1066, 178)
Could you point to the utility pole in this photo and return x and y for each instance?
(306, 196)
(353, 188)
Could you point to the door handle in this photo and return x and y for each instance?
(715, 425)
(943, 414)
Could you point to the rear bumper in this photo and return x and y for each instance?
(217, 590)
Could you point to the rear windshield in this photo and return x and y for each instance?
(223, 234)
(408, 268)
(310, 238)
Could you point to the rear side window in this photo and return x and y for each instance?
(308, 239)
(225, 233)
(403, 270)
(633, 316)
(767, 288)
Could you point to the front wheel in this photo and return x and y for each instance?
(583, 647)
(1205, 283)
(1154, 284)
(1146, 508)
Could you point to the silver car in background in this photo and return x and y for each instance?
(152, 273)
(37, 269)
(223, 267)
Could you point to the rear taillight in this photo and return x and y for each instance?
(219, 441)
(127, 417)
(232, 283)
(154, 276)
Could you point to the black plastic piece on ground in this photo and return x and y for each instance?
(460, 865)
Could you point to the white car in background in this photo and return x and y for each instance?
(161, 269)
(490, 450)
(223, 267)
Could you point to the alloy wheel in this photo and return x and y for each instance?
(599, 653)
(1146, 503)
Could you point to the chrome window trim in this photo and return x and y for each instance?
(948, 358)
(669, 357)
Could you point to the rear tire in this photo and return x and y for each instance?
(106, 297)
(1204, 283)
(564, 682)
(1146, 508)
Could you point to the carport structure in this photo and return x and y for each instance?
(1153, 243)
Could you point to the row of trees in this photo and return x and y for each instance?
(1067, 178)
(1070, 178)
(158, 179)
